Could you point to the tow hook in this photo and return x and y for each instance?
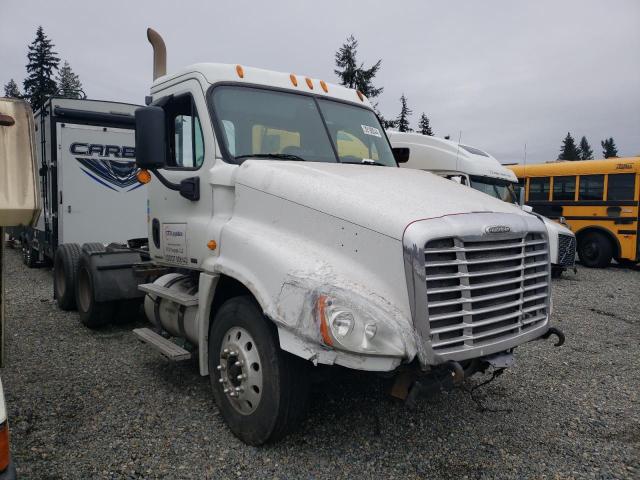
(554, 331)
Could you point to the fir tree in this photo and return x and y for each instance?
(69, 85)
(402, 121)
(423, 125)
(609, 149)
(585, 149)
(353, 75)
(43, 62)
(569, 149)
(11, 90)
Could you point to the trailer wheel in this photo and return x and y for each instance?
(65, 265)
(92, 314)
(260, 390)
(595, 250)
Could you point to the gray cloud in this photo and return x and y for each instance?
(502, 73)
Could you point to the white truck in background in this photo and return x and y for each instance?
(272, 250)
(19, 205)
(89, 192)
(477, 169)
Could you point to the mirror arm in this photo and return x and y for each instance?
(189, 188)
(164, 181)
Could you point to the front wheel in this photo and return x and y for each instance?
(595, 250)
(260, 390)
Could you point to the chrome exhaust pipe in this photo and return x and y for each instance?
(159, 53)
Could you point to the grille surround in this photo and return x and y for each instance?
(566, 250)
(470, 291)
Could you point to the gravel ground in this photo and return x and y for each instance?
(86, 404)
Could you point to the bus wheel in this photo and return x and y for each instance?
(595, 250)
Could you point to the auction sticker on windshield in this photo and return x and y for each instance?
(374, 132)
(174, 245)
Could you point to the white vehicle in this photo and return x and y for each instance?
(279, 251)
(88, 186)
(19, 205)
(475, 168)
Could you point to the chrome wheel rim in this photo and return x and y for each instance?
(240, 370)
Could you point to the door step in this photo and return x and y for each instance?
(175, 296)
(166, 347)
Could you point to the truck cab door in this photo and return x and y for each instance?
(177, 225)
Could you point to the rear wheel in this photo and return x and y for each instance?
(93, 314)
(595, 250)
(260, 390)
(65, 265)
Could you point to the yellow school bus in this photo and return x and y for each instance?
(599, 200)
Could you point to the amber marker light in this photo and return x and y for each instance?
(143, 176)
(360, 95)
(324, 86)
(321, 306)
(212, 245)
(293, 79)
(240, 71)
(309, 83)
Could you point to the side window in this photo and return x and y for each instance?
(591, 187)
(564, 188)
(186, 141)
(539, 188)
(622, 186)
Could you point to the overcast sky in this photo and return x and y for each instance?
(503, 73)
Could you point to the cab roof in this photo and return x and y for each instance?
(439, 155)
(213, 73)
(583, 167)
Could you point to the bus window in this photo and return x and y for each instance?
(591, 187)
(564, 188)
(539, 188)
(622, 186)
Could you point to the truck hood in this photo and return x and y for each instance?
(383, 199)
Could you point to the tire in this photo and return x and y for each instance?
(93, 247)
(65, 266)
(92, 314)
(595, 250)
(276, 408)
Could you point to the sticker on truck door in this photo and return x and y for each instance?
(174, 243)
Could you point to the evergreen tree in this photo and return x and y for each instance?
(609, 149)
(43, 62)
(69, 85)
(423, 125)
(353, 75)
(585, 149)
(402, 121)
(569, 149)
(11, 90)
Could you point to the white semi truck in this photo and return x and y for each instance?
(479, 170)
(88, 186)
(271, 250)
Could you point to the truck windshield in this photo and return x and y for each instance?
(501, 189)
(266, 124)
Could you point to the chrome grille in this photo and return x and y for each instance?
(566, 250)
(483, 291)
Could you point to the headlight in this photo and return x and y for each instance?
(347, 326)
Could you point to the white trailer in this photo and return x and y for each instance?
(88, 186)
(272, 249)
(477, 169)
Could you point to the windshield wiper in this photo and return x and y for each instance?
(365, 161)
(276, 156)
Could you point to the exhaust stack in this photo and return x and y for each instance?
(159, 53)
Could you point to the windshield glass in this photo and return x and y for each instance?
(500, 189)
(279, 125)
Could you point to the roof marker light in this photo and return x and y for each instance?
(309, 83)
(360, 95)
(240, 71)
(294, 80)
(324, 86)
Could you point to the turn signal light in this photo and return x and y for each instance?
(321, 306)
(143, 176)
(212, 245)
(240, 71)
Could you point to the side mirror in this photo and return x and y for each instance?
(401, 154)
(151, 145)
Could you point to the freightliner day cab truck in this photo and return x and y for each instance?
(477, 169)
(271, 251)
(19, 205)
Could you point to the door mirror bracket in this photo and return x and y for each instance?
(189, 188)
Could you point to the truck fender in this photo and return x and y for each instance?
(112, 275)
(206, 291)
